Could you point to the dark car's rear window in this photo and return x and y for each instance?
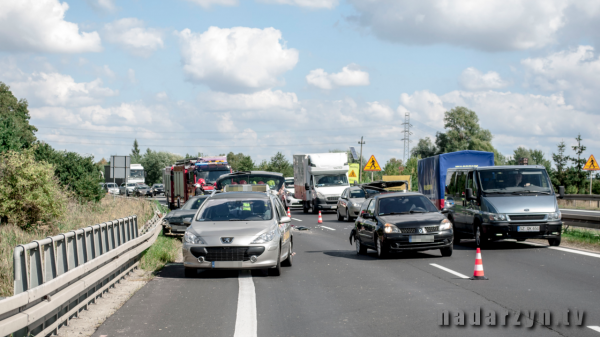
(274, 182)
(236, 210)
(194, 203)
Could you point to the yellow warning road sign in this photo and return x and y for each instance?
(352, 174)
(592, 164)
(372, 165)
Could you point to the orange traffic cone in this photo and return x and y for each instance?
(289, 214)
(320, 218)
(478, 272)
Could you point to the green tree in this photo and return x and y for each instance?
(577, 175)
(29, 191)
(392, 167)
(519, 153)
(280, 164)
(15, 131)
(411, 169)
(464, 133)
(537, 156)
(424, 148)
(77, 173)
(559, 176)
(135, 153)
(154, 162)
(240, 162)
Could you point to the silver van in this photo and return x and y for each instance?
(503, 202)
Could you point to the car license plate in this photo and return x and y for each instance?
(227, 264)
(334, 207)
(528, 228)
(420, 238)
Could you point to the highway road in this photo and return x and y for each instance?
(330, 291)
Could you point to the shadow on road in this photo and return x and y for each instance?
(495, 245)
(175, 270)
(371, 255)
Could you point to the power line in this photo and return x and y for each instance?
(407, 135)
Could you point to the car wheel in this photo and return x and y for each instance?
(382, 250)
(315, 210)
(554, 242)
(277, 270)
(348, 217)
(339, 217)
(446, 251)
(360, 249)
(190, 272)
(305, 207)
(288, 262)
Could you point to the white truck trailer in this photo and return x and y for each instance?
(320, 179)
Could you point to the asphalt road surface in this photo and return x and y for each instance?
(331, 291)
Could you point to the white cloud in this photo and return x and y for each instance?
(237, 59)
(54, 89)
(131, 76)
(425, 107)
(473, 79)
(40, 26)
(209, 3)
(350, 75)
(132, 35)
(107, 6)
(314, 4)
(490, 25)
(575, 71)
(266, 99)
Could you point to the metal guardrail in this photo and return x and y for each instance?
(592, 197)
(56, 277)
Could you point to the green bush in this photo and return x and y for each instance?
(571, 190)
(77, 173)
(29, 192)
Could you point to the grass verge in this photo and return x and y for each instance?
(77, 216)
(579, 204)
(164, 250)
(583, 237)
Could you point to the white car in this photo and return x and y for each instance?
(111, 188)
(127, 188)
(287, 197)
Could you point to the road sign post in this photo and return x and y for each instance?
(591, 165)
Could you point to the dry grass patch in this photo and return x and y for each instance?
(579, 204)
(76, 217)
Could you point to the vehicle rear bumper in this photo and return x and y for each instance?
(400, 242)
(505, 230)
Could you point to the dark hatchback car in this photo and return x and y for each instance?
(401, 221)
(158, 189)
(142, 191)
(177, 221)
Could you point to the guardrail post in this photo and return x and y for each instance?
(20, 270)
(96, 241)
(61, 256)
(89, 243)
(49, 261)
(72, 250)
(135, 226)
(36, 274)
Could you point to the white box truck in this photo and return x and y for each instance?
(320, 179)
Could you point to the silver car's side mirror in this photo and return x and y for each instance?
(285, 219)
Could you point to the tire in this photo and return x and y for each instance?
(521, 240)
(190, 272)
(314, 208)
(277, 270)
(360, 249)
(554, 242)
(382, 250)
(446, 251)
(305, 207)
(290, 259)
(348, 217)
(339, 217)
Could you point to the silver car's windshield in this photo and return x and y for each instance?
(236, 210)
(514, 181)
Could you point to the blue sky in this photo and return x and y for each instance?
(300, 76)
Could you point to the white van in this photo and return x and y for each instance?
(320, 179)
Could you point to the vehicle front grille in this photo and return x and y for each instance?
(432, 229)
(332, 198)
(226, 253)
(407, 230)
(527, 217)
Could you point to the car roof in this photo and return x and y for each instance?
(508, 167)
(237, 173)
(241, 195)
(397, 194)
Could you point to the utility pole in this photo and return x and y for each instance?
(407, 135)
(360, 168)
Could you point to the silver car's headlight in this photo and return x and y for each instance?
(445, 225)
(266, 237)
(193, 239)
(555, 216)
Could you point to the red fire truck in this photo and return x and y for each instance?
(180, 179)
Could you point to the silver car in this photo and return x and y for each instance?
(349, 203)
(239, 230)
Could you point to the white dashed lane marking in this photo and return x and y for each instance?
(245, 321)
(331, 229)
(449, 270)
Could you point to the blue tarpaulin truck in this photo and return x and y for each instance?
(432, 171)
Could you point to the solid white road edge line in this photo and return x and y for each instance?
(332, 229)
(449, 270)
(296, 219)
(595, 328)
(574, 251)
(245, 321)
